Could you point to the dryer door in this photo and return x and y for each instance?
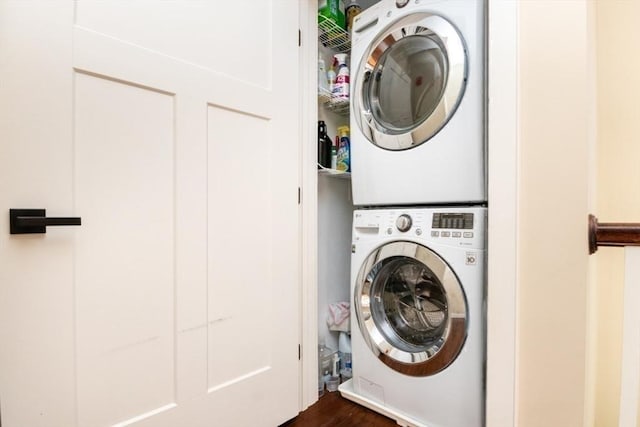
(411, 308)
(410, 81)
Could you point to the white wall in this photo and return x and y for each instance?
(554, 196)
(334, 250)
(618, 192)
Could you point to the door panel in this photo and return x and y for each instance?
(240, 302)
(209, 36)
(125, 305)
(176, 302)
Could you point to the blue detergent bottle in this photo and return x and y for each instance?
(344, 150)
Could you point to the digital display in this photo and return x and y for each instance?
(457, 221)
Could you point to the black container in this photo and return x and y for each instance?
(324, 146)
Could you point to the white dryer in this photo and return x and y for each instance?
(418, 103)
(417, 335)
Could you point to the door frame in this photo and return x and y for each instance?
(503, 161)
(309, 201)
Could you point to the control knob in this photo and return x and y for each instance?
(403, 223)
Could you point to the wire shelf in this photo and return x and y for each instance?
(333, 36)
(337, 105)
(333, 173)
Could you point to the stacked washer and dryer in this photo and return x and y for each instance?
(419, 228)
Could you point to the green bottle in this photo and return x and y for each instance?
(333, 10)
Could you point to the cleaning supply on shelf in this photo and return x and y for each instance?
(331, 78)
(334, 153)
(344, 150)
(344, 350)
(323, 82)
(332, 10)
(340, 90)
(350, 12)
(324, 146)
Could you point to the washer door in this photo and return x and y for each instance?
(411, 308)
(410, 81)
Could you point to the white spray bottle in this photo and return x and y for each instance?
(341, 86)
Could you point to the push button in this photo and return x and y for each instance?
(435, 233)
(467, 234)
(446, 234)
(456, 234)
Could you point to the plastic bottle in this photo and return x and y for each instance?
(344, 348)
(324, 146)
(323, 82)
(334, 153)
(323, 367)
(340, 90)
(350, 12)
(335, 365)
(344, 150)
(333, 10)
(331, 78)
(325, 361)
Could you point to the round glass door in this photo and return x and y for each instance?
(410, 81)
(411, 308)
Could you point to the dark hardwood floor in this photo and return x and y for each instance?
(332, 410)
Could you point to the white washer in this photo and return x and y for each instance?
(418, 325)
(417, 114)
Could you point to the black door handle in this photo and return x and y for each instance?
(29, 221)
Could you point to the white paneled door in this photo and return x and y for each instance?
(170, 128)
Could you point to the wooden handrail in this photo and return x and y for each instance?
(612, 234)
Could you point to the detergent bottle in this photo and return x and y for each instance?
(332, 10)
(344, 150)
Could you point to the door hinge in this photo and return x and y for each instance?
(299, 38)
(299, 352)
(299, 195)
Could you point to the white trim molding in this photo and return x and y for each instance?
(309, 203)
(503, 160)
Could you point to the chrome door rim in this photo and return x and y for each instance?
(419, 24)
(442, 353)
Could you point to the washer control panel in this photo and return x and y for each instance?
(464, 226)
